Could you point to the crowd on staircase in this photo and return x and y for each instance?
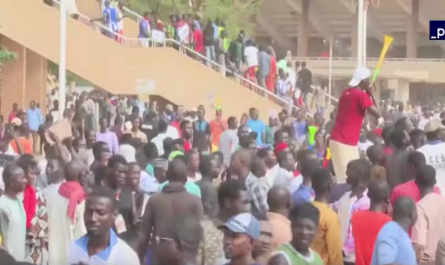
(207, 41)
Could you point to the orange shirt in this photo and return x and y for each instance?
(24, 143)
(217, 127)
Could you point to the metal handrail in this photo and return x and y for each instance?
(368, 59)
(139, 18)
(136, 42)
(134, 14)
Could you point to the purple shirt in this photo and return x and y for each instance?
(110, 139)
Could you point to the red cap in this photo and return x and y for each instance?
(279, 147)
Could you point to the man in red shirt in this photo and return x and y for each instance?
(186, 134)
(13, 114)
(415, 161)
(197, 40)
(353, 104)
(366, 224)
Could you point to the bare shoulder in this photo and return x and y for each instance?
(278, 259)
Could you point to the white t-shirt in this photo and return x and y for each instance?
(422, 123)
(71, 7)
(435, 156)
(251, 54)
(284, 177)
(183, 33)
(56, 115)
(292, 77)
(197, 177)
(120, 24)
(362, 147)
(128, 152)
(295, 183)
(272, 174)
(159, 139)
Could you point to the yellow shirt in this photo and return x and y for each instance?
(327, 242)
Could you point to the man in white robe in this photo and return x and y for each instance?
(64, 230)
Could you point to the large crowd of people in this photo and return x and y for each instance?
(125, 183)
(108, 179)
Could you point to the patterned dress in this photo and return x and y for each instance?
(37, 234)
(211, 248)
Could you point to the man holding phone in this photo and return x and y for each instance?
(353, 104)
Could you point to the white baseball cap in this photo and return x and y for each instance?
(360, 74)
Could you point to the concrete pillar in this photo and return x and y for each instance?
(412, 33)
(23, 79)
(401, 89)
(354, 35)
(36, 74)
(303, 32)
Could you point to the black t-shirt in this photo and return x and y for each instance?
(201, 135)
(208, 36)
(151, 130)
(305, 77)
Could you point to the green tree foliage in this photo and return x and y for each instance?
(237, 14)
(6, 55)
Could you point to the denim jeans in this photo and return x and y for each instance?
(210, 53)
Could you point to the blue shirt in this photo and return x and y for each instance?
(215, 31)
(143, 29)
(34, 119)
(111, 18)
(300, 129)
(257, 126)
(304, 194)
(116, 252)
(82, 243)
(393, 246)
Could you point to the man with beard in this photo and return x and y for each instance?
(101, 245)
